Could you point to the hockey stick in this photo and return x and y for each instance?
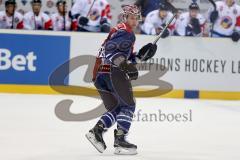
(175, 11)
(160, 35)
(215, 8)
(35, 22)
(214, 4)
(64, 16)
(89, 11)
(164, 29)
(13, 17)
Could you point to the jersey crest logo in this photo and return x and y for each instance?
(94, 15)
(226, 22)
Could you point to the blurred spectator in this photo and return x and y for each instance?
(156, 21)
(148, 6)
(190, 23)
(10, 18)
(95, 19)
(225, 19)
(35, 19)
(61, 20)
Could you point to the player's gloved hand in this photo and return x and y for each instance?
(235, 36)
(103, 20)
(195, 22)
(104, 25)
(214, 16)
(129, 69)
(133, 72)
(70, 15)
(83, 20)
(147, 52)
(189, 30)
(166, 33)
(105, 28)
(196, 27)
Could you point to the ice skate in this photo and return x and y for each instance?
(122, 147)
(95, 137)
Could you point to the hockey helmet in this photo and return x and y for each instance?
(36, 1)
(131, 9)
(193, 6)
(163, 7)
(61, 2)
(10, 2)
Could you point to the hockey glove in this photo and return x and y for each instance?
(129, 69)
(196, 28)
(103, 21)
(105, 28)
(166, 33)
(189, 30)
(83, 20)
(213, 16)
(235, 36)
(147, 52)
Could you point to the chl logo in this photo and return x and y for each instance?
(18, 62)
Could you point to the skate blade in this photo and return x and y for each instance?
(125, 151)
(94, 142)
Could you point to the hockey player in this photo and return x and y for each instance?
(99, 16)
(61, 21)
(190, 23)
(116, 62)
(35, 19)
(225, 19)
(156, 21)
(11, 19)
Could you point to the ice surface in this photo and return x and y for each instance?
(30, 130)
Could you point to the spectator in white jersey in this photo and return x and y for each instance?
(147, 6)
(95, 19)
(61, 20)
(225, 19)
(10, 18)
(190, 23)
(36, 19)
(156, 21)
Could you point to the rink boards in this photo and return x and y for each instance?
(194, 67)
